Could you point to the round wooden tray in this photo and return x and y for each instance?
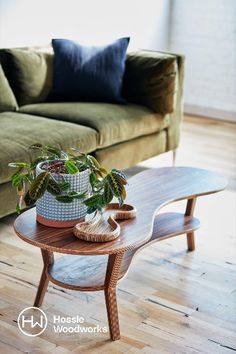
(103, 228)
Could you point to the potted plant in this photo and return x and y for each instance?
(65, 186)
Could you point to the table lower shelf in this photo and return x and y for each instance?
(87, 273)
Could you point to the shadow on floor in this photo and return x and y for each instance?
(134, 170)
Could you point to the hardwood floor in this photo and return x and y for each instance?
(171, 301)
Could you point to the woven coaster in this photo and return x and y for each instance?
(103, 227)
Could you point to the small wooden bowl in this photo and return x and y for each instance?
(103, 227)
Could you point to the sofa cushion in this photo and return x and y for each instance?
(114, 123)
(7, 98)
(89, 73)
(29, 73)
(18, 131)
(129, 153)
(151, 79)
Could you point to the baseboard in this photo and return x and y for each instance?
(210, 112)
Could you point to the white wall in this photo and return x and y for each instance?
(35, 22)
(205, 31)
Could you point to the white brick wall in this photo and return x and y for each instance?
(35, 22)
(205, 31)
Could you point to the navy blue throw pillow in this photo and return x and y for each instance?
(88, 73)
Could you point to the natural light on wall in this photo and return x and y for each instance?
(27, 22)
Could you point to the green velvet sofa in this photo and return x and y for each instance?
(119, 135)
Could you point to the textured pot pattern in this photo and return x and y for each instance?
(48, 208)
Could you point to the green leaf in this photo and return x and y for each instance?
(16, 180)
(39, 186)
(64, 155)
(77, 195)
(19, 164)
(93, 178)
(102, 172)
(28, 177)
(119, 172)
(121, 201)
(36, 146)
(53, 187)
(28, 201)
(123, 194)
(36, 162)
(20, 169)
(91, 210)
(52, 150)
(18, 208)
(64, 186)
(93, 162)
(107, 194)
(115, 184)
(64, 198)
(120, 175)
(77, 150)
(71, 167)
(94, 200)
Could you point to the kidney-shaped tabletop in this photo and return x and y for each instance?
(148, 191)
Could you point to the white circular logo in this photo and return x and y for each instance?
(32, 321)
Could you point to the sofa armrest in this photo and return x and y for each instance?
(175, 118)
(151, 79)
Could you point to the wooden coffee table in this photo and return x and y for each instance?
(103, 264)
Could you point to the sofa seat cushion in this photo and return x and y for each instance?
(115, 123)
(131, 152)
(18, 131)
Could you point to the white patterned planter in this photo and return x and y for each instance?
(51, 212)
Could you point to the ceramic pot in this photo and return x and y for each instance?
(51, 212)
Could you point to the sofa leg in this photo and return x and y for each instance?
(174, 154)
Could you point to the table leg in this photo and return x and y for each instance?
(43, 284)
(112, 275)
(189, 212)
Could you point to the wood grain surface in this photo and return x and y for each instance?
(88, 273)
(149, 191)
